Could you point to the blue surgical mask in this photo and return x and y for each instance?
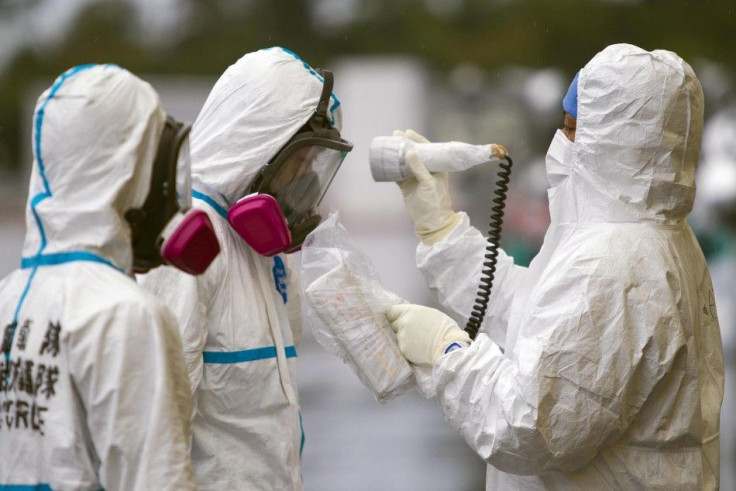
(559, 159)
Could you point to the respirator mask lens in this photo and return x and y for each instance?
(301, 179)
(281, 210)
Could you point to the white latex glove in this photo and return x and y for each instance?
(427, 197)
(424, 334)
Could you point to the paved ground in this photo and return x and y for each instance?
(354, 442)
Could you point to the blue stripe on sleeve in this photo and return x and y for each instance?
(25, 487)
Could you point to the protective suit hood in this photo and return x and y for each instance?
(253, 110)
(95, 134)
(637, 145)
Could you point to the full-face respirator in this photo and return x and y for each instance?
(280, 209)
(166, 229)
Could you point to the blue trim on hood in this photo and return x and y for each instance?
(313, 72)
(63, 258)
(334, 106)
(37, 140)
(296, 56)
(34, 202)
(38, 198)
(37, 150)
(42, 111)
(210, 201)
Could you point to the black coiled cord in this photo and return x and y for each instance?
(491, 256)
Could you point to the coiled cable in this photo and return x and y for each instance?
(491, 255)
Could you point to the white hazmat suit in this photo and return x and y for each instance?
(612, 376)
(240, 320)
(716, 204)
(93, 387)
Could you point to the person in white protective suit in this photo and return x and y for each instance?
(265, 147)
(601, 364)
(716, 205)
(93, 385)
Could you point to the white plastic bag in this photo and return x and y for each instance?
(346, 307)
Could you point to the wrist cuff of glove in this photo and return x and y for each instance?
(430, 238)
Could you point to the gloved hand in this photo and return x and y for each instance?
(424, 333)
(426, 197)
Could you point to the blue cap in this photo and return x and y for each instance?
(570, 101)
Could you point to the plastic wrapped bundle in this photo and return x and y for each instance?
(346, 307)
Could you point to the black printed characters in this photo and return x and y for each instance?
(23, 335)
(28, 384)
(8, 337)
(22, 379)
(51, 340)
(19, 376)
(18, 414)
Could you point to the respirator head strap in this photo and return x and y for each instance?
(320, 115)
(148, 221)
